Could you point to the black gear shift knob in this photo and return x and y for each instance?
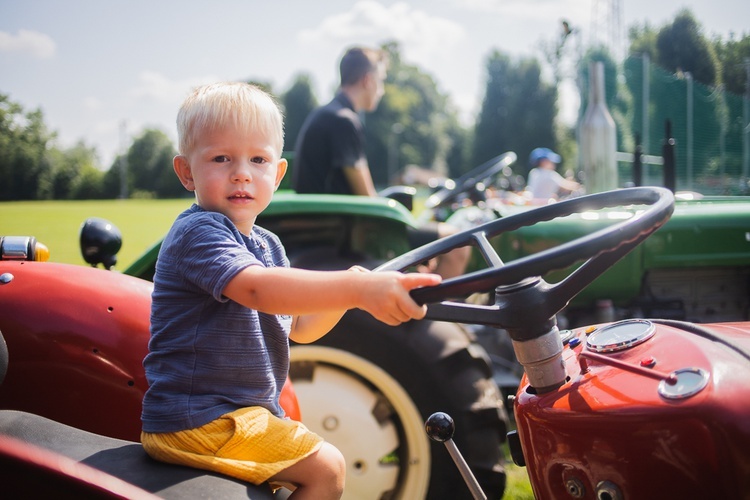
(440, 427)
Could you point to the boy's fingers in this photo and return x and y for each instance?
(416, 280)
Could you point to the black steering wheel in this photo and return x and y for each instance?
(521, 296)
(470, 179)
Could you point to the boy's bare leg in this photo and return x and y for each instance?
(319, 476)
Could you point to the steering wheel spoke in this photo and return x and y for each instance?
(491, 257)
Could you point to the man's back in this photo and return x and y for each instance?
(331, 139)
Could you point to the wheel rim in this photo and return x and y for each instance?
(364, 412)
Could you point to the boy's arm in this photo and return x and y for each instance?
(327, 295)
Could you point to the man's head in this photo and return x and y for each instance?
(236, 104)
(363, 72)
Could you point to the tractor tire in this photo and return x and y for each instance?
(368, 389)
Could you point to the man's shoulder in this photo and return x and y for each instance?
(335, 110)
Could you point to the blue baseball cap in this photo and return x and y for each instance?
(541, 153)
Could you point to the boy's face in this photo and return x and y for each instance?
(546, 163)
(232, 172)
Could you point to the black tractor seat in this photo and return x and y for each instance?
(29, 443)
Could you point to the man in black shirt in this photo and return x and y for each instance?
(330, 150)
(330, 158)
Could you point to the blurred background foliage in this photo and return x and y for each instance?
(672, 72)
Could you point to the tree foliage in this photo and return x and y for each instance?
(149, 166)
(734, 55)
(414, 123)
(704, 119)
(23, 146)
(299, 101)
(518, 111)
(679, 47)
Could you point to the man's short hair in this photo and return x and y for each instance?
(359, 61)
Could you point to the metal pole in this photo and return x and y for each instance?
(463, 468)
(722, 139)
(123, 162)
(746, 129)
(668, 153)
(645, 106)
(689, 78)
(638, 162)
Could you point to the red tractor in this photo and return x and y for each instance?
(631, 409)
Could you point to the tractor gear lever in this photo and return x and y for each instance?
(440, 427)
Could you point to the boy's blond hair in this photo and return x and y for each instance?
(217, 105)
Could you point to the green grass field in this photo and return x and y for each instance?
(57, 224)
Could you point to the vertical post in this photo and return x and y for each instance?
(645, 105)
(689, 142)
(638, 162)
(722, 139)
(123, 163)
(667, 152)
(746, 131)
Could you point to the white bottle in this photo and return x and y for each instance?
(598, 137)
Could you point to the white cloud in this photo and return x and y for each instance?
(154, 86)
(370, 22)
(92, 103)
(38, 45)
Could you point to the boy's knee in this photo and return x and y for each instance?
(336, 465)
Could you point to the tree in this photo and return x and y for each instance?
(73, 175)
(24, 141)
(88, 184)
(518, 111)
(681, 48)
(697, 108)
(643, 40)
(734, 56)
(299, 101)
(149, 166)
(414, 123)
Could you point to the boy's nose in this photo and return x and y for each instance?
(242, 174)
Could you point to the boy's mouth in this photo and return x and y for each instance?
(240, 195)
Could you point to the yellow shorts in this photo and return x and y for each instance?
(250, 444)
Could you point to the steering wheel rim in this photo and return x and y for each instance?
(602, 248)
(470, 179)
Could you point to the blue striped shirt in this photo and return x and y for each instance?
(209, 355)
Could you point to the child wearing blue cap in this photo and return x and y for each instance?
(544, 182)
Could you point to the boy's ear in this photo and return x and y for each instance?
(182, 169)
(280, 171)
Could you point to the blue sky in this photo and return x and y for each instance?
(102, 71)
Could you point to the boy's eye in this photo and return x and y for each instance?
(258, 159)
(221, 158)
